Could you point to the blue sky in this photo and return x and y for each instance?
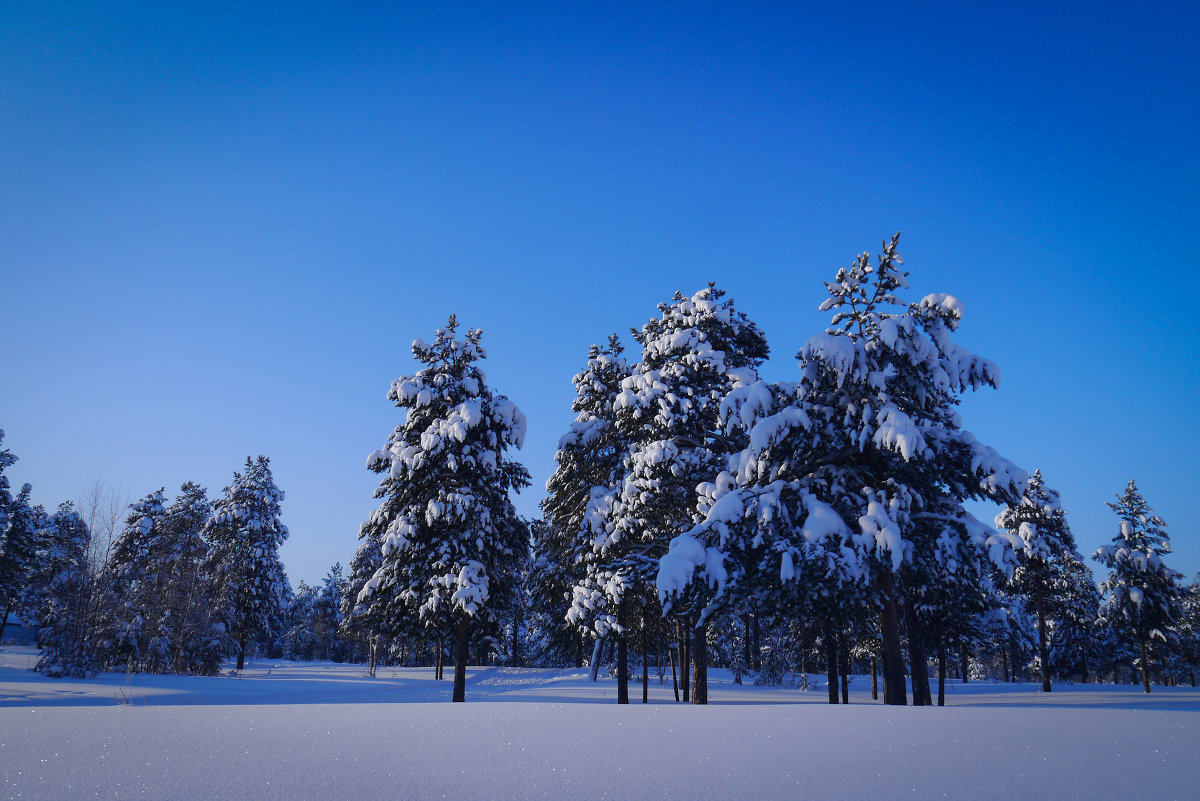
(221, 226)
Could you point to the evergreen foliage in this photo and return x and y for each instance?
(449, 535)
(59, 597)
(244, 533)
(1141, 594)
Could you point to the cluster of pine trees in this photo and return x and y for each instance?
(697, 515)
(700, 514)
(184, 584)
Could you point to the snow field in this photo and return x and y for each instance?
(323, 731)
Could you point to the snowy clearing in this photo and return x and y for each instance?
(319, 730)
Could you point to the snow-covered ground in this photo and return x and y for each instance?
(324, 731)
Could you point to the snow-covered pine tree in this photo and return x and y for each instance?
(133, 591)
(839, 471)
(364, 623)
(58, 597)
(1141, 594)
(1039, 521)
(588, 457)
(450, 535)
(194, 638)
(693, 354)
(245, 533)
(1188, 629)
(18, 547)
(1075, 609)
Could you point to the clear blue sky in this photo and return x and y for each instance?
(222, 226)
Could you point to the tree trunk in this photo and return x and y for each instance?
(4, 622)
(622, 657)
(942, 674)
(685, 658)
(874, 678)
(1043, 646)
(1145, 667)
(645, 664)
(746, 649)
(844, 670)
(831, 666)
(700, 665)
(1004, 662)
(595, 666)
(460, 662)
(756, 648)
(241, 662)
(674, 676)
(579, 650)
(889, 630)
(966, 663)
(916, 657)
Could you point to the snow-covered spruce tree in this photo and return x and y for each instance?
(193, 638)
(587, 460)
(18, 547)
(667, 411)
(1141, 594)
(1075, 609)
(1188, 629)
(244, 533)
(1039, 521)
(59, 597)
(840, 469)
(364, 623)
(450, 535)
(134, 584)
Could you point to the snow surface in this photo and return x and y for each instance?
(318, 730)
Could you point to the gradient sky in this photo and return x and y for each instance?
(221, 227)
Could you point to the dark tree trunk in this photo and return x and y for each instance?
(874, 678)
(916, 657)
(460, 662)
(645, 664)
(241, 663)
(1083, 668)
(700, 664)
(756, 648)
(1004, 662)
(966, 663)
(1145, 667)
(597, 649)
(1043, 646)
(831, 666)
(889, 629)
(674, 675)
(942, 674)
(685, 658)
(622, 658)
(579, 651)
(3, 622)
(746, 649)
(844, 669)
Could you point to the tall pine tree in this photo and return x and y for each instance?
(1141, 594)
(450, 537)
(245, 533)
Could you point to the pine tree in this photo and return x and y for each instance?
(698, 350)
(18, 547)
(857, 472)
(449, 533)
(1073, 640)
(1141, 594)
(59, 597)
(1040, 523)
(194, 641)
(245, 533)
(586, 463)
(133, 588)
(364, 622)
